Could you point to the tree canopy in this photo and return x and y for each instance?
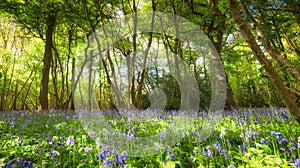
(257, 41)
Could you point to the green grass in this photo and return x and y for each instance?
(245, 138)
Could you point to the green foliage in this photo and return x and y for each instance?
(44, 140)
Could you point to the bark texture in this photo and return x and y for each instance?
(274, 77)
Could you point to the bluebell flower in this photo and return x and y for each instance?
(105, 152)
(53, 153)
(249, 157)
(293, 146)
(225, 153)
(161, 137)
(100, 157)
(228, 143)
(282, 141)
(210, 152)
(263, 141)
(108, 162)
(133, 129)
(297, 163)
(29, 165)
(124, 155)
(242, 150)
(55, 146)
(205, 153)
(278, 135)
(21, 161)
(9, 165)
(292, 159)
(235, 112)
(240, 121)
(50, 139)
(87, 149)
(128, 136)
(169, 151)
(195, 150)
(227, 156)
(283, 116)
(171, 155)
(71, 140)
(20, 141)
(287, 151)
(255, 134)
(92, 134)
(22, 126)
(194, 133)
(217, 144)
(246, 143)
(123, 160)
(116, 156)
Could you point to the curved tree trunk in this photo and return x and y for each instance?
(275, 78)
(267, 45)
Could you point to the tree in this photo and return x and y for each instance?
(38, 17)
(274, 77)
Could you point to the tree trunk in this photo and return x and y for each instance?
(72, 91)
(267, 45)
(131, 61)
(143, 73)
(51, 19)
(275, 78)
(217, 29)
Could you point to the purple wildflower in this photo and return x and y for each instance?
(100, 157)
(263, 141)
(209, 152)
(246, 143)
(9, 165)
(105, 152)
(282, 141)
(287, 151)
(171, 154)
(242, 150)
(116, 156)
(228, 143)
(293, 146)
(71, 140)
(87, 149)
(108, 162)
(278, 135)
(292, 159)
(283, 116)
(297, 163)
(162, 137)
(195, 150)
(123, 158)
(194, 133)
